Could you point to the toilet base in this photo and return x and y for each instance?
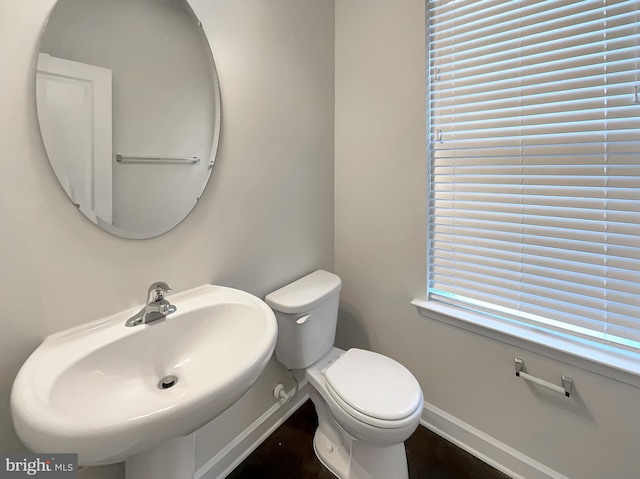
(361, 461)
(333, 457)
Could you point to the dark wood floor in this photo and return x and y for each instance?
(288, 454)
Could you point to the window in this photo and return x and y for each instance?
(534, 145)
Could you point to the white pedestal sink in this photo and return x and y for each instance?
(93, 389)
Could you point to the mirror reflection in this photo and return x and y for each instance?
(128, 105)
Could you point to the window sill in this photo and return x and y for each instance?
(621, 365)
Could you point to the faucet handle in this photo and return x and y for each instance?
(157, 291)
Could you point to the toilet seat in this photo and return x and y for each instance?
(374, 389)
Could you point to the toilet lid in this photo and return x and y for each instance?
(374, 385)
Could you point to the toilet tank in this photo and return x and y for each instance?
(307, 315)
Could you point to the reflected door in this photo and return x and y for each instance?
(74, 108)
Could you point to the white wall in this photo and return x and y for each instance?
(265, 219)
(380, 195)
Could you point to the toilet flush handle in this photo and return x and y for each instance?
(303, 319)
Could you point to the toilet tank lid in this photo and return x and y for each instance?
(305, 293)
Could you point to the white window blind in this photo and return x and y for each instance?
(534, 144)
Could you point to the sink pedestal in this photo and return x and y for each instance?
(172, 459)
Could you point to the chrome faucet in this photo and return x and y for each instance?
(156, 308)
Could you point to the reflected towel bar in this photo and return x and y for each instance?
(567, 382)
(156, 159)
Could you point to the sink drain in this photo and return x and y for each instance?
(167, 382)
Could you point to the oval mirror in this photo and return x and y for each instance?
(129, 110)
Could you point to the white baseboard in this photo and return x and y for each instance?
(486, 448)
(495, 453)
(220, 465)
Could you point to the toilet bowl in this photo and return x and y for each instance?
(367, 404)
(361, 431)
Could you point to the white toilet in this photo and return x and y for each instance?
(367, 403)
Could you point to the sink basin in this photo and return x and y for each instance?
(95, 389)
